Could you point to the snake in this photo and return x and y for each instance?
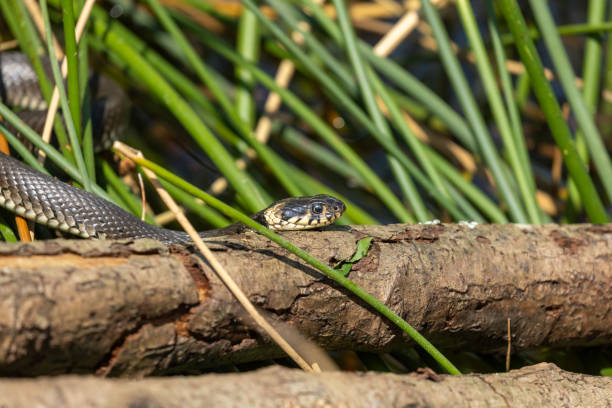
(61, 206)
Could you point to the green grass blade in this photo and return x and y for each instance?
(183, 112)
(365, 80)
(321, 128)
(506, 83)
(552, 111)
(18, 19)
(591, 71)
(75, 143)
(5, 230)
(240, 121)
(248, 46)
(593, 139)
(472, 112)
(521, 173)
(70, 45)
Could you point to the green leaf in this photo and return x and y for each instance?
(606, 371)
(363, 246)
(6, 231)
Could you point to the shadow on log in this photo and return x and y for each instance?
(138, 308)
(543, 385)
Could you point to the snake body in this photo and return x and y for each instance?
(58, 205)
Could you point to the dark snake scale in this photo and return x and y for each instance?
(58, 205)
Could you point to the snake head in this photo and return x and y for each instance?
(300, 213)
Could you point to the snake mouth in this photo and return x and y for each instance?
(300, 213)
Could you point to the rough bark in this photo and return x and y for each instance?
(136, 308)
(543, 385)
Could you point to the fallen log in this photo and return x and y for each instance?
(138, 308)
(542, 385)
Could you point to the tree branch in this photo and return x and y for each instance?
(542, 385)
(135, 308)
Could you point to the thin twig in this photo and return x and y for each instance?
(143, 197)
(37, 18)
(8, 45)
(509, 349)
(396, 35)
(53, 104)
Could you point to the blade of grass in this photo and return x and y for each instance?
(551, 109)
(506, 83)
(239, 122)
(570, 29)
(183, 112)
(591, 70)
(607, 83)
(373, 109)
(401, 78)
(70, 45)
(68, 120)
(521, 173)
(23, 29)
(85, 122)
(563, 66)
(5, 230)
(247, 45)
(472, 111)
(321, 128)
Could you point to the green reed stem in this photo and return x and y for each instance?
(522, 174)
(6, 231)
(72, 78)
(240, 121)
(552, 111)
(75, 143)
(247, 45)
(472, 111)
(183, 112)
(369, 98)
(597, 148)
(23, 29)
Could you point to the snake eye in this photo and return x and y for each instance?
(316, 208)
